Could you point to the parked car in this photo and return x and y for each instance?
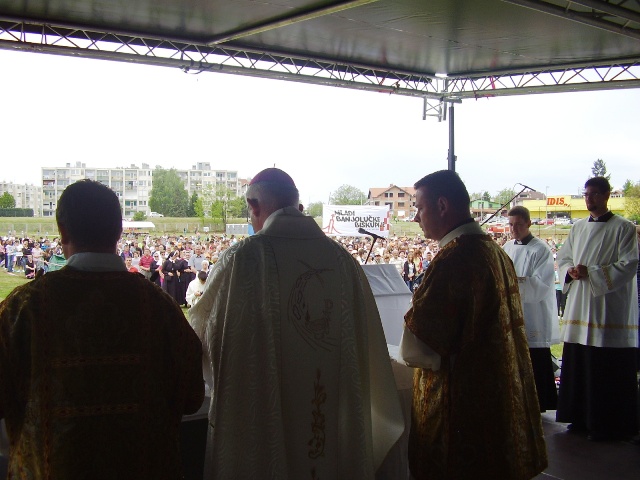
(546, 221)
(562, 221)
(156, 214)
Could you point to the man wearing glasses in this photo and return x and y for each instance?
(597, 266)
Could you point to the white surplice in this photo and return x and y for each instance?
(536, 280)
(601, 310)
(295, 355)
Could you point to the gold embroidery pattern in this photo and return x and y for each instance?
(312, 326)
(607, 277)
(130, 359)
(87, 411)
(582, 323)
(316, 443)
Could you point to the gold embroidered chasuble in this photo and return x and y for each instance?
(96, 371)
(478, 415)
(296, 358)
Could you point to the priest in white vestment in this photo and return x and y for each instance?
(294, 352)
(597, 267)
(533, 262)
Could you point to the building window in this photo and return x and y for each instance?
(400, 194)
(400, 204)
(388, 194)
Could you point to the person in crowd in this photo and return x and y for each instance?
(184, 277)
(409, 271)
(196, 259)
(533, 262)
(10, 253)
(195, 289)
(292, 339)
(128, 263)
(597, 265)
(156, 269)
(29, 267)
(475, 411)
(144, 265)
(206, 265)
(171, 274)
(92, 384)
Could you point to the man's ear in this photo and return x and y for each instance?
(64, 237)
(442, 204)
(254, 206)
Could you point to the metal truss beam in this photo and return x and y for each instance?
(601, 14)
(16, 34)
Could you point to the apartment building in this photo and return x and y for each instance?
(131, 184)
(25, 195)
(401, 200)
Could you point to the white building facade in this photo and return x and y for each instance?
(131, 184)
(25, 195)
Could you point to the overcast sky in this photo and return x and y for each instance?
(58, 110)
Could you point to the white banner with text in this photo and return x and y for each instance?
(347, 220)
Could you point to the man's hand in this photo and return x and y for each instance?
(578, 272)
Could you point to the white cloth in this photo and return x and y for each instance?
(195, 286)
(536, 280)
(295, 354)
(601, 310)
(96, 262)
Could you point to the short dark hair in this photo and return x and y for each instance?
(202, 276)
(601, 183)
(90, 213)
(447, 184)
(520, 211)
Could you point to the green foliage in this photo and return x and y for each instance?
(628, 184)
(314, 209)
(504, 195)
(191, 211)
(139, 217)
(219, 203)
(168, 195)
(486, 196)
(599, 169)
(7, 200)
(632, 202)
(16, 212)
(347, 195)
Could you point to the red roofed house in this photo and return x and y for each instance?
(401, 200)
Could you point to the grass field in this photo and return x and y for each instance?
(8, 282)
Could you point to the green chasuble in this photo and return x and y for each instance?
(96, 371)
(477, 417)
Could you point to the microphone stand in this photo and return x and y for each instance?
(503, 205)
(374, 237)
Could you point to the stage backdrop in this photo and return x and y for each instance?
(345, 220)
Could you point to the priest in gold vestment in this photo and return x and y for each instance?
(475, 411)
(97, 365)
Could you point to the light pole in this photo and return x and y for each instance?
(546, 201)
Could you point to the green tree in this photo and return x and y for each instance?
(7, 201)
(347, 195)
(238, 208)
(168, 195)
(628, 184)
(632, 202)
(486, 196)
(504, 195)
(139, 217)
(191, 211)
(314, 209)
(599, 169)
